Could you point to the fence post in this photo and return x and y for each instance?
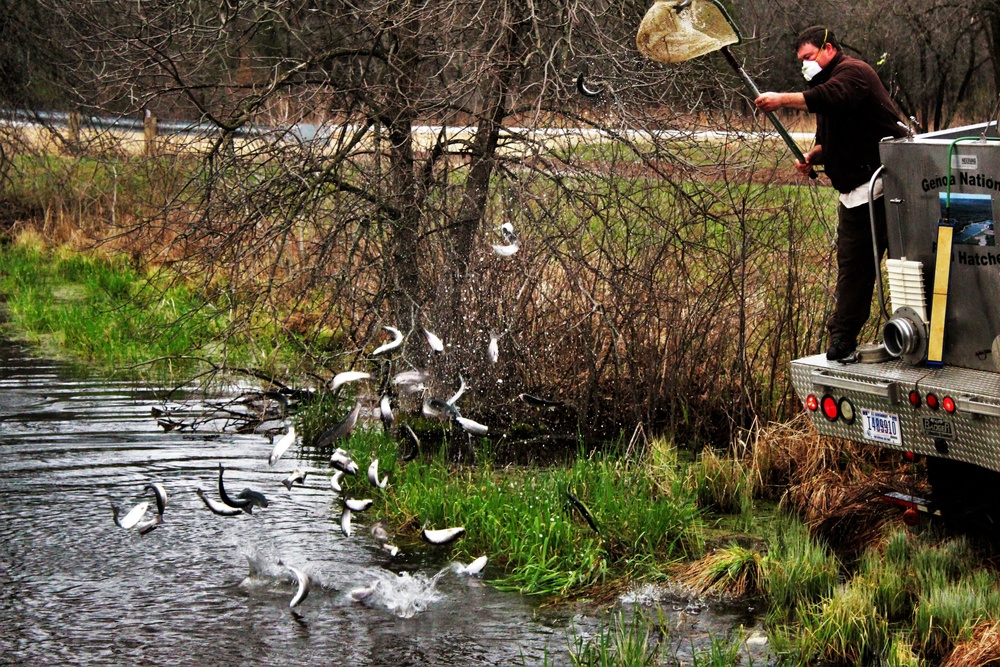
(149, 133)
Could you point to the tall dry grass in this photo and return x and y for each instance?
(981, 650)
(834, 485)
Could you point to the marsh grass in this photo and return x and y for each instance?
(639, 639)
(635, 641)
(891, 579)
(913, 598)
(899, 651)
(729, 572)
(845, 628)
(938, 560)
(100, 310)
(799, 569)
(721, 483)
(722, 652)
(947, 614)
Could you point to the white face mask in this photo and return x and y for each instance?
(810, 68)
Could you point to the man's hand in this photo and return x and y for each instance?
(812, 158)
(768, 102)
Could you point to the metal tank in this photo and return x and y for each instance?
(954, 173)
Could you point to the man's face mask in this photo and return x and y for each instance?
(810, 68)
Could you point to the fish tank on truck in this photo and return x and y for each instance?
(931, 386)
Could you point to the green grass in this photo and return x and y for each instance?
(913, 598)
(622, 642)
(104, 312)
(799, 570)
(638, 639)
(844, 629)
(947, 614)
(523, 520)
(722, 484)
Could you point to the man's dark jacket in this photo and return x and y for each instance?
(853, 113)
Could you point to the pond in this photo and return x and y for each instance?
(203, 589)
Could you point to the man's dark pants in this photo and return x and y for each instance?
(856, 268)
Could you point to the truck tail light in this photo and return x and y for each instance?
(932, 401)
(915, 400)
(846, 409)
(812, 403)
(829, 405)
(948, 403)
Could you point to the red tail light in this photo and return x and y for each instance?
(812, 403)
(932, 401)
(915, 398)
(829, 405)
(948, 403)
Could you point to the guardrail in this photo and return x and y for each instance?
(152, 127)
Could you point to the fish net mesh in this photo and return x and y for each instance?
(671, 35)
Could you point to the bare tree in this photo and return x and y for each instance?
(353, 164)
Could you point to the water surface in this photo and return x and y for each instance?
(77, 589)
(208, 590)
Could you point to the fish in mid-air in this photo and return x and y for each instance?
(281, 446)
(391, 345)
(434, 341)
(304, 584)
(442, 536)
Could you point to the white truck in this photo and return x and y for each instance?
(932, 387)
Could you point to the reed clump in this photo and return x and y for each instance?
(899, 651)
(729, 572)
(845, 628)
(947, 614)
(721, 483)
(888, 572)
(799, 570)
(629, 642)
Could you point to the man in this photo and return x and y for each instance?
(853, 113)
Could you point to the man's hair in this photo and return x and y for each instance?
(817, 35)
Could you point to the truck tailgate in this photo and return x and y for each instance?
(947, 412)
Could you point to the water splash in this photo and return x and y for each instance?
(404, 595)
(268, 576)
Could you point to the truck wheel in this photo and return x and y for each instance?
(968, 497)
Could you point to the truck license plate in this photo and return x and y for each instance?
(881, 427)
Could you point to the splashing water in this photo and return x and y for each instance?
(403, 595)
